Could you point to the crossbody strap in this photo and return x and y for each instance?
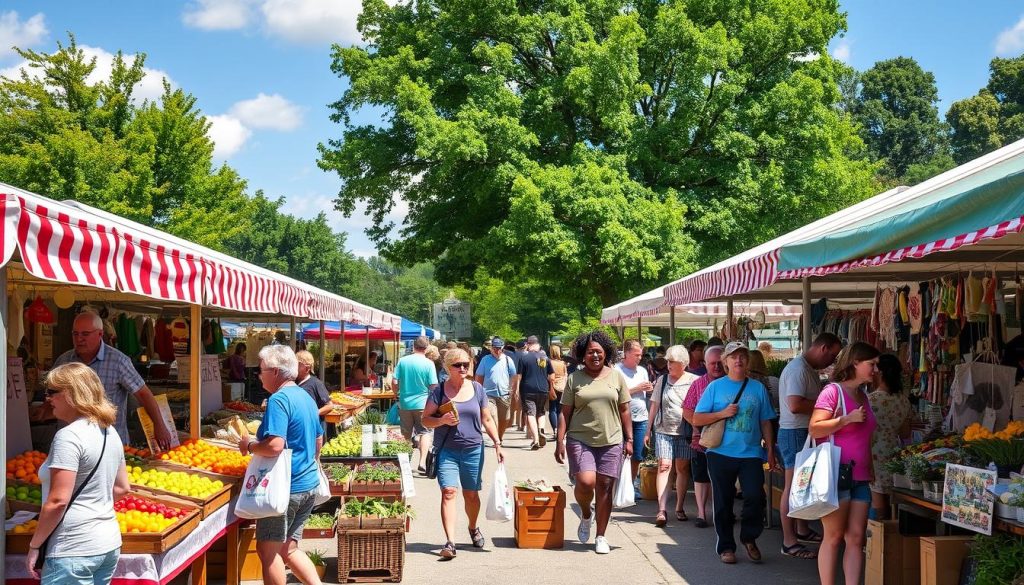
(661, 403)
(740, 393)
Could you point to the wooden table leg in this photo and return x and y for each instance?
(199, 570)
(234, 568)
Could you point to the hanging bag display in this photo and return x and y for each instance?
(711, 435)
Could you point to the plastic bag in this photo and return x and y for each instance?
(499, 502)
(623, 497)
(323, 489)
(815, 491)
(266, 487)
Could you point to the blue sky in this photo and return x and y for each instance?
(260, 68)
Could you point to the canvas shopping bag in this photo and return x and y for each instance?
(815, 491)
(266, 487)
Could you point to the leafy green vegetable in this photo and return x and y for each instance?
(320, 521)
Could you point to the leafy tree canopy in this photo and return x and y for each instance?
(994, 117)
(596, 148)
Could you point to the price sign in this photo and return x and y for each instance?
(150, 431)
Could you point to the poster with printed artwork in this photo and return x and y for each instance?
(452, 319)
(965, 499)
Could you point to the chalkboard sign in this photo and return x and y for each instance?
(968, 571)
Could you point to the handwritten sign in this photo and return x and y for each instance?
(19, 435)
(150, 431)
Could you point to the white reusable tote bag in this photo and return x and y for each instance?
(266, 487)
(815, 490)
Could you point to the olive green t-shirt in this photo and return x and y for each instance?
(595, 407)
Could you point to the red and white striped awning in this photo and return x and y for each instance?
(74, 243)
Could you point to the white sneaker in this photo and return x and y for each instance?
(601, 546)
(583, 532)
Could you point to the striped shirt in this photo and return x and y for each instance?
(118, 376)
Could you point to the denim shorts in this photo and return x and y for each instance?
(83, 570)
(461, 468)
(861, 492)
(639, 432)
(672, 446)
(791, 441)
(289, 525)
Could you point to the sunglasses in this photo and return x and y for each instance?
(461, 365)
(49, 392)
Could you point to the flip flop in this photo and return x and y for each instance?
(799, 551)
(660, 520)
(681, 515)
(701, 523)
(812, 537)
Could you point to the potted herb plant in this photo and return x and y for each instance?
(319, 560)
(916, 467)
(350, 513)
(339, 477)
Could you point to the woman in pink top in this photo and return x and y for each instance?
(844, 413)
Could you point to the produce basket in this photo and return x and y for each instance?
(371, 555)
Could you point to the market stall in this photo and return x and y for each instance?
(936, 269)
(162, 298)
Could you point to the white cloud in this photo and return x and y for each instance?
(14, 33)
(228, 134)
(313, 21)
(1010, 42)
(150, 88)
(268, 111)
(843, 51)
(218, 14)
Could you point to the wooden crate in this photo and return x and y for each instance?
(344, 488)
(17, 544)
(158, 542)
(317, 533)
(941, 558)
(251, 569)
(539, 518)
(892, 558)
(371, 556)
(232, 480)
(206, 506)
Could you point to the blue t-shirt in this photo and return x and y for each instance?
(415, 374)
(292, 415)
(497, 374)
(742, 437)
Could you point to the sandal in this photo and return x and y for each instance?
(477, 537)
(753, 552)
(799, 551)
(681, 516)
(728, 557)
(448, 551)
(701, 523)
(661, 519)
(811, 537)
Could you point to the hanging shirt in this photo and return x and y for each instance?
(179, 336)
(162, 341)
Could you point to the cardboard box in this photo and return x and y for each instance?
(892, 558)
(941, 558)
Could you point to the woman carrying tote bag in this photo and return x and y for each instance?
(291, 424)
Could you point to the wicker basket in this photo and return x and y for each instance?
(371, 555)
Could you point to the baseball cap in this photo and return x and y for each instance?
(497, 342)
(532, 339)
(733, 347)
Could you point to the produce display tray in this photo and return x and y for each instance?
(158, 542)
(318, 533)
(206, 506)
(233, 480)
(17, 544)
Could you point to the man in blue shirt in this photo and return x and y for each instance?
(495, 373)
(414, 377)
(292, 422)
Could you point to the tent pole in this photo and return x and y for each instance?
(3, 413)
(639, 334)
(292, 335)
(728, 320)
(805, 341)
(323, 350)
(672, 325)
(194, 378)
(366, 364)
(344, 380)
(622, 331)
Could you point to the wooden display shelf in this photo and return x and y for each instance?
(17, 544)
(158, 542)
(917, 498)
(233, 480)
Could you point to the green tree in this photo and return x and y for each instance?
(897, 108)
(994, 117)
(595, 148)
(406, 291)
(68, 138)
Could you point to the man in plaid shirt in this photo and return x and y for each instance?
(699, 463)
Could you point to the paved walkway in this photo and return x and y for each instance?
(681, 553)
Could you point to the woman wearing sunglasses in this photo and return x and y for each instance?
(459, 442)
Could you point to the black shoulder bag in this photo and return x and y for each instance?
(430, 466)
(42, 550)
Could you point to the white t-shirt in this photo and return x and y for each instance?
(670, 403)
(798, 379)
(637, 402)
(90, 526)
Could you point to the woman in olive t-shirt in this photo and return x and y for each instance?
(594, 430)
